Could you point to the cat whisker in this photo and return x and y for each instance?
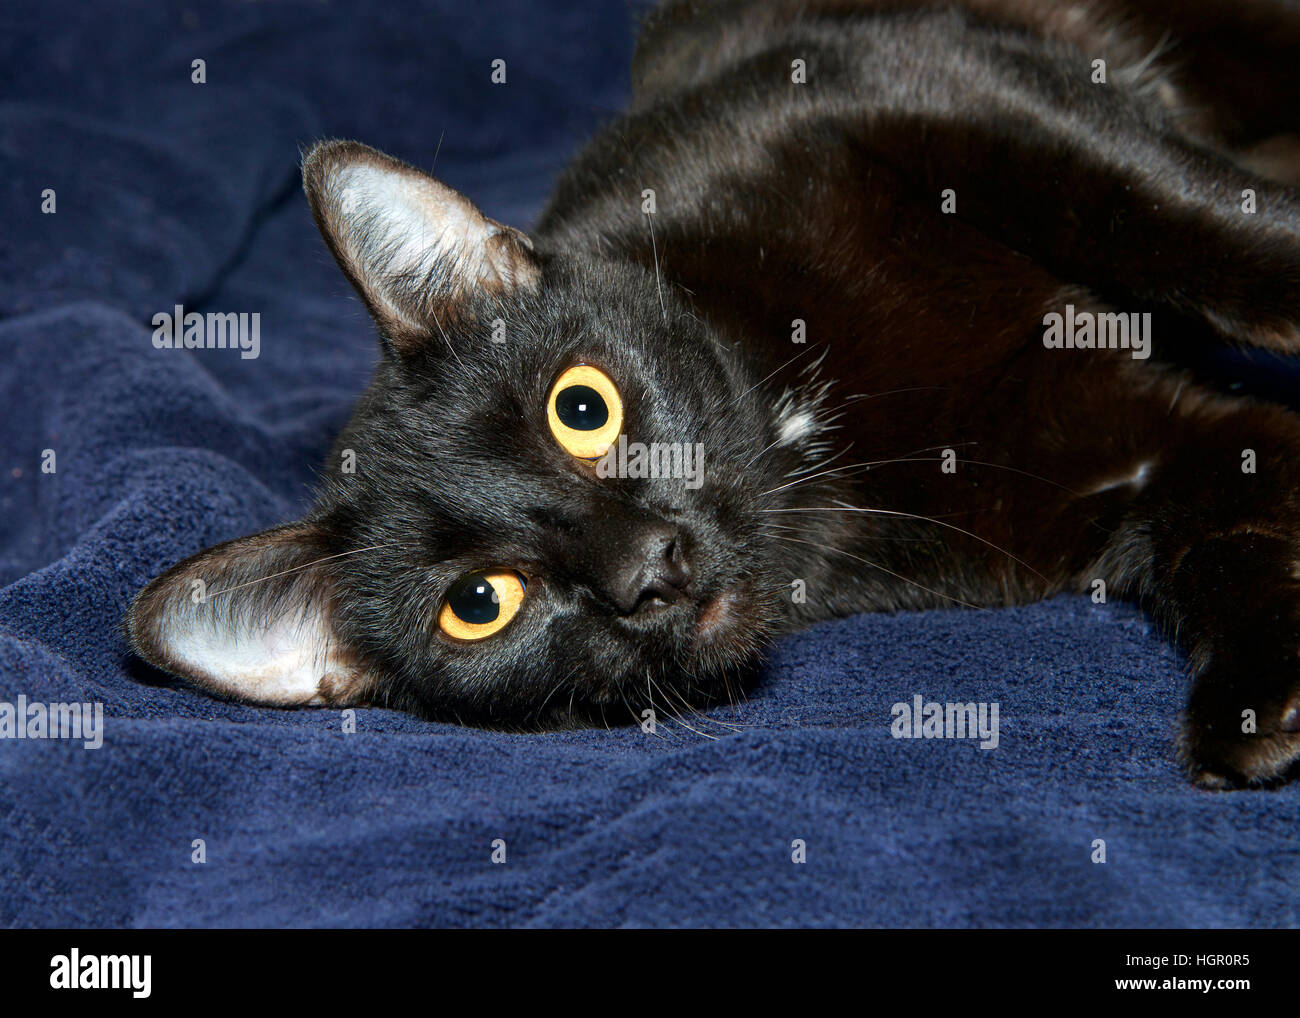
(907, 458)
(763, 452)
(734, 726)
(654, 708)
(910, 516)
(446, 340)
(777, 371)
(296, 569)
(876, 565)
(803, 530)
(765, 525)
(706, 719)
(976, 463)
(1026, 473)
(654, 248)
(820, 463)
(812, 477)
(726, 684)
(691, 728)
(827, 418)
(636, 718)
(572, 673)
(893, 392)
(912, 458)
(862, 468)
(676, 716)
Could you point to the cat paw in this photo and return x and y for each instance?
(1242, 725)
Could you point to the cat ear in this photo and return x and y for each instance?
(251, 620)
(414, 248)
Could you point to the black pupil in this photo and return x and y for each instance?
(581, 408)
(474, 601)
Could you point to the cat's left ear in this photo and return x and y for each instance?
(414, 248)
(253, 620)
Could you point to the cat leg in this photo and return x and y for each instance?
(1228, 74)
(1092, 181)
(1211, 546)
(1233, 64)
(1084, 465)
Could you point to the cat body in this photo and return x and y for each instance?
(830, 255)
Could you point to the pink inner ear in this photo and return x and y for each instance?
(413, 247)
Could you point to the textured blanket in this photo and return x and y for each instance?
(128, 187)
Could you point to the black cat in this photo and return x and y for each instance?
(850, 312)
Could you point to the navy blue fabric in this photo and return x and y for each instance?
(172, 192)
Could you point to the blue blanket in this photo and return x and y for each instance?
(169, 191)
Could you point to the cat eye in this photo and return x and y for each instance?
(480, 604)
(584, 412)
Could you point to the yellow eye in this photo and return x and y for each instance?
(481, 604)
(584, 412)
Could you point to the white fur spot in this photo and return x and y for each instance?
(1138, 479)
(794, 426)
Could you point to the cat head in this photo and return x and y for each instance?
(547, 507)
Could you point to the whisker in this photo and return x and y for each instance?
(812, 477)
(655, 251)
(446, 340)
(703, 718)
(636, 718)
(910, 457)
(910, 516)
(572, 673)
(653, 706)
(894, 392)
(677, 717)
(726, 684)
(877, 565)
(820, 463)
(734, 726)
(295, 569)
(764, 450)
(1026, 473)
(804, 530)
(939, 459)
(781, 368)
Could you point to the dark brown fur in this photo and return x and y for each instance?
(1104, 196)
(823, 201)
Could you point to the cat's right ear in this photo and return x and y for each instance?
(414, 248)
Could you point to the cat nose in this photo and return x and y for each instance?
(653, 570)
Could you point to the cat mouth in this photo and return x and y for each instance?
(716, 616)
